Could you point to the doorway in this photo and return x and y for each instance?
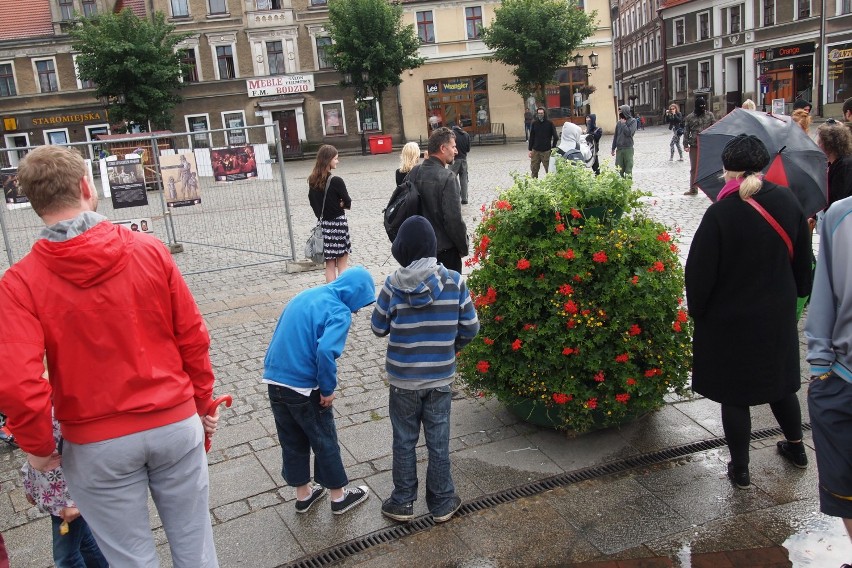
(733, 83)
(11, 158)
(289, 132)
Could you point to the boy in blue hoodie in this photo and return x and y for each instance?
(301, 371)
(429, 315)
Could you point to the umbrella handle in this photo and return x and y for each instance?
(227, 400)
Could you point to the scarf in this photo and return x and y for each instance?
(733, 186)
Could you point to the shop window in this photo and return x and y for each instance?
(804, 9)
(323, 59)
(679, 31)
(235, 121)
(425, 27)
(333, 119)
(180, 8)
(198, 125)
(768, 12)
(92, 133)
(680, 78)
(839, 76)
(225, 62)
(703, 74)
(58, 136)
(218, 7)
(90, 8)
(704, 25)
(7, 80)
(460, 101)
(190, 65)
(268, 4)
(275, 57)
(47, 79)
(66, 9)
(369, 119)
(734, 19)
(473, 19)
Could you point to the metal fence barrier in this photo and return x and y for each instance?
(225, 206)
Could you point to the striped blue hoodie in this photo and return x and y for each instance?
(429, 315)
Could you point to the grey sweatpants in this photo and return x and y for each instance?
(110, 481)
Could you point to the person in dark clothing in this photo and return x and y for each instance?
(543, 137)
(593, 138)
(836, 141)
(459, 165)
(693, 124)
(622, 141)
(328, 198)
(802, 104)
(439, 199)
(675, 121)
(742, 281)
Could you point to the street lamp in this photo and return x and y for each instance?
(110, 100)
(359, 93)
(593, 62)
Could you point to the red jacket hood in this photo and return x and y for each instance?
(90, 258)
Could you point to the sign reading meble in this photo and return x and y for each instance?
(280, 85)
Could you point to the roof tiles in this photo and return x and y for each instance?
(25, 19)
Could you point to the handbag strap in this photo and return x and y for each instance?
(324, 195)
(775, 225)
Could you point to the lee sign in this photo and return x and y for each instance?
(280, 85)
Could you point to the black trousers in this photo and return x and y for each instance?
(736, 421)
(451, 259)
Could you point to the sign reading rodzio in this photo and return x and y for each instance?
(180, 180)
(232, 164)
(127, 182)
(280, 85)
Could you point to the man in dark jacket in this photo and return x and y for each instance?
(622, 141)
(694, 123)
(543, 137)
(440, 201)
(459, 165)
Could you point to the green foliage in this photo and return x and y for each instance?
(579, 312)
(127, 55)
(369, 36)
(536, 38)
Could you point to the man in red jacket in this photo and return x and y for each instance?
(130, 372)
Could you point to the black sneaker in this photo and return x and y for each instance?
(398, 512)
(444, 514)
(352, 497)
(317, 493)
(739, 476)
(795, 453)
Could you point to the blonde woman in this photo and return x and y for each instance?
(748, 104)
(409, 158)
(329, 200)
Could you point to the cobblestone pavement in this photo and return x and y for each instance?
(254, 521)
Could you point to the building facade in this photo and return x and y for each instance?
(639, 60)
(764, 50)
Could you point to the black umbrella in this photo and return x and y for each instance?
(797, 162)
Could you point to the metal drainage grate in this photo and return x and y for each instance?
(342, 551)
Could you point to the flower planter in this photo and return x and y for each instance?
(548, 416)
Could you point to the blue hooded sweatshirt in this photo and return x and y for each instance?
(311, 332)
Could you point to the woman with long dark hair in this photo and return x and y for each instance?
(675, 120)
(329, 200)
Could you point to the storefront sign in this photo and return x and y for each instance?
(836, 55)
(431, 88)
(280, 85)
(96, 116)
(784, 51)
(455, 85)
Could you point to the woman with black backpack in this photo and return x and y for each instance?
(675, 120)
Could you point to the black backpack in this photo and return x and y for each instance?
(404, 202)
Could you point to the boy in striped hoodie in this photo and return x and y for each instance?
(429, 315)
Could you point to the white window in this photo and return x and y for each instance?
(704, 74)
(768, 7)
(45, 75)
(679, 78)
(17, 141)
(369, 118)
(268, 4)
(845, 7)
(7, 79)
(58, 136)
(66, 9)
(425, 27)
(679, 31)
(735, 19)
(323, 59)
(224, 52)
(333, 118)
(88, 83)
(703, 26)
(191, 72)
(803, 9)
(218, 7)
(198, 125)
(236, 121)
(473, 21)
(275, 57)
(180, 8)
(92, 132)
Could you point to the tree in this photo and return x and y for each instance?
(131, 58)
(368, 35)
(536, 38)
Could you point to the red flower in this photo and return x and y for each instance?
(634, 280)
(558, 216)
(634, 330)
(673, 248)
(523, 264)
(664, 236)
(560, 227)
(622, 398)
(575, 231)
(561, 398)
(576, 214)
(566, 254)
(657, 267)
(576, 278)
(676, 326)
(623, 358)
(652, 372)
(568, 351)
(488, 341)
(483, 366)
(571, 324)
(498, 318)
(592, 403)
(600, 256)
(489, 298)
(599, 377)
(529, 326)
(503, 205)
(631, 381)
(586, 312)
(540, 276)
(570, 307)
(516, 344)
(681, 316)
(566, 290)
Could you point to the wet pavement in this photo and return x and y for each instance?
(679, 512)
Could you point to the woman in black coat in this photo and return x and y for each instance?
(741, 289)
(675, 120)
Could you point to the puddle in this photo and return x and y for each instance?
(825, 546)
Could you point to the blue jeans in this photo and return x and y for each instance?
(78, 548)
(408, 410)
(303, 425)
